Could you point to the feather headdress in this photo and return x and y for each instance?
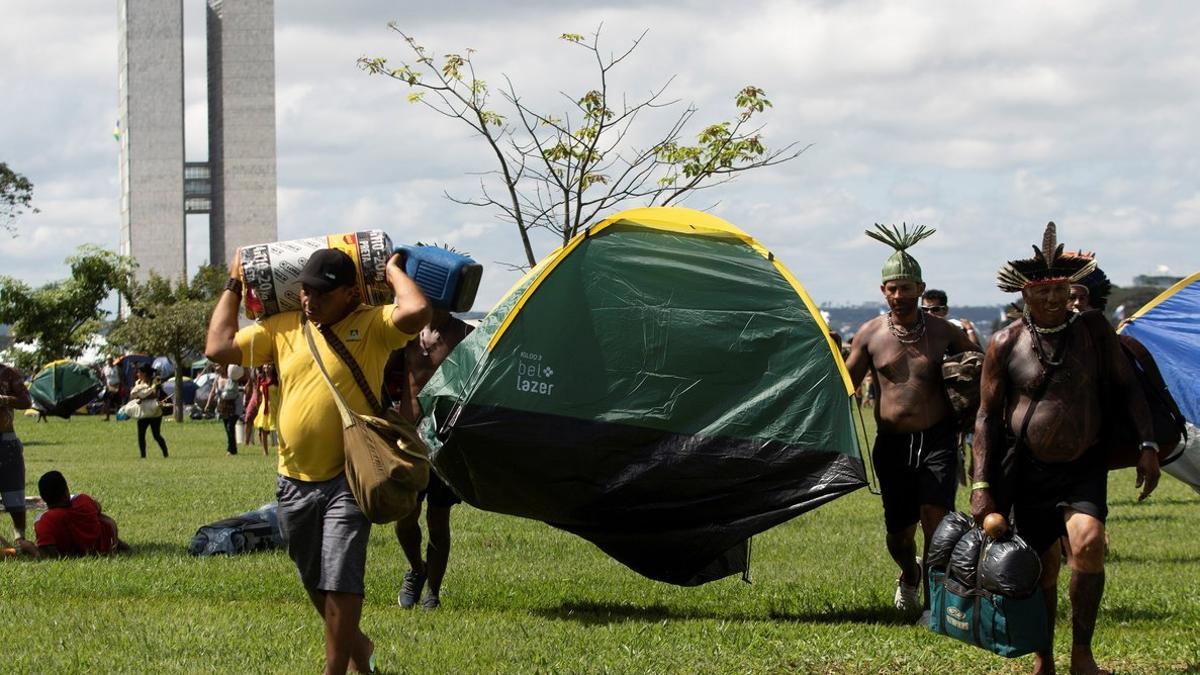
(901, 265)
(1049, 265)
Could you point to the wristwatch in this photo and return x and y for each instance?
(234, 284)
(1149, 445)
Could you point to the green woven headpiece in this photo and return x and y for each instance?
(900, 265)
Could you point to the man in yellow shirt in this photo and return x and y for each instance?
(326, 533)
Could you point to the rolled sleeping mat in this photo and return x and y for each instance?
(270, 272)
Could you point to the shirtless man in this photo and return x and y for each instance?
(13, 396)
(915, 453)
(1057, 471)
(407, 372)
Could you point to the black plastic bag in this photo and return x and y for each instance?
(964, 560)
(947, 534)
(1011, 568)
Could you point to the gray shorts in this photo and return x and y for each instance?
(325, 532)
(12, 472)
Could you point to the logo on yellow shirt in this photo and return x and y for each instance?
(353, 336)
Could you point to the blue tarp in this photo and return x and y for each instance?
(189, 390)
(1169, 326)
(163, 367)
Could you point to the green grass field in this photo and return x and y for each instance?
(521, 596)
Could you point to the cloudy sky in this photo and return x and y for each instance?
(983, 120)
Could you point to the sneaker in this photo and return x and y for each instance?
(430, 601)
(923, 622)
(908, 596)
(410, 590)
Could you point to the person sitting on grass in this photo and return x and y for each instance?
(73, 526)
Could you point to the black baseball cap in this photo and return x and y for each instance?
(328, 269)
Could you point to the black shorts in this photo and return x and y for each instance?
(1043, 491)
(12, 472)
(915, 469)
(438, 493)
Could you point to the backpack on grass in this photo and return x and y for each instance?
(256, 530)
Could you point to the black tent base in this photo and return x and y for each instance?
(671, 507)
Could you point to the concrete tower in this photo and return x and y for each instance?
(236, 185)
(150, 108)
(241, 124)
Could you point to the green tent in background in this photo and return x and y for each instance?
(62, 387)
(661, 386)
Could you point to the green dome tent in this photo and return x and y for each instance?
(62, 387)
(661, 386)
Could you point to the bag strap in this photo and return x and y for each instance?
(976, 626)
(1148, 372)
(348, 419)
(335, 343)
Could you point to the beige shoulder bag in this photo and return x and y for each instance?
(387, 463)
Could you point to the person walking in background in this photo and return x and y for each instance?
(937, 303)
(13, 396)
(407, 372)
(226, 392)
(146, 392)
(267, 419)
(250, 401)
(112, 387)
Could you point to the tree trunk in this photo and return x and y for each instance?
(177, 406)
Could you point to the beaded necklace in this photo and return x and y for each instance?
(904, 335)
(1051, 330)
(1036, 331)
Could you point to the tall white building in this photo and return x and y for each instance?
(235, 185)
(241, 124)
(150, 106)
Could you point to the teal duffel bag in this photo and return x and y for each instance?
(1009, 627)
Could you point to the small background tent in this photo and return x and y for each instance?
(661, 386)
(163, 367)
(189, 390)
(129, 365)
(1169, 327)
(62, 387)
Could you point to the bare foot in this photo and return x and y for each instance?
(1083, 663)
(1043, 664)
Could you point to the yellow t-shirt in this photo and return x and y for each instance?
(310, 428)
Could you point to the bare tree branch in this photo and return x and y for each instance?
(560, 173)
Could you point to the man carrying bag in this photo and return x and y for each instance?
(325, 530)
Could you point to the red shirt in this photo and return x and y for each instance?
(75, 529)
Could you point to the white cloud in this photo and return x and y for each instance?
(984, 121)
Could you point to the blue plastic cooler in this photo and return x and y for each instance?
(450, 280)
